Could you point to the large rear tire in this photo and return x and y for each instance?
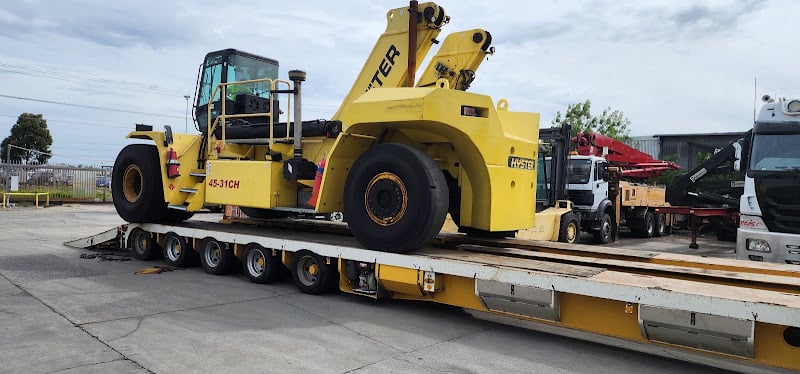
(136, 184)
(396, 198)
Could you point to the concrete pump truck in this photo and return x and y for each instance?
(395, 158)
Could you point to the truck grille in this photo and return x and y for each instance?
(780, 204)
(581, 197)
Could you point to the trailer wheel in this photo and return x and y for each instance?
(396, 198)
(177, 251)
(136, 184)
(311, 274)
(570, 229)
(605, 233)
(649, 225)
(661, 225)
(215, 257)
(142, 245)
(260, 265)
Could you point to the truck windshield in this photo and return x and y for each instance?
(579, 171)
(775, 152)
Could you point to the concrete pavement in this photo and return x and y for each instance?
(60, 313)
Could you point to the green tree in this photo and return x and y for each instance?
(30, 132)
(611, 123)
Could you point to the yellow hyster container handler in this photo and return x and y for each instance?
(395, 158)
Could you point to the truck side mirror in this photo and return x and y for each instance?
(737, 163)
(605, 175)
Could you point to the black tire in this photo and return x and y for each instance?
(312, 275)
(606, 232)
(570, 229)
(136, 184)
(142, 245)
(259, 213)
(649, 225)
(215, 256)
(260, 266)
(396, 198)
(661, 225)
(177, 251)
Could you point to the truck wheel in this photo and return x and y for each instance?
(604, 235)
(396, 198)
(177, 251)
(649, 225)
(142, 245)
(570, 229)
(311, 274)
(215, 257)
(661, 225)
(260, 265)
(136, 184)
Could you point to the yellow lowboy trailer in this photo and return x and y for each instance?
(730, 314)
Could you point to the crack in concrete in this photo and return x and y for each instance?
(138, 326)
(53, 309)
(89, 365)
(176, 310)
(432, 369)
(343, 326)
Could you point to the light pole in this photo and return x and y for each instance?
(186, 119)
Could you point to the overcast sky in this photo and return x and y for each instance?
(669, 66)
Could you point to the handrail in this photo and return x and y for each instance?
(222, 118)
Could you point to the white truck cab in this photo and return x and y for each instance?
(769, 224)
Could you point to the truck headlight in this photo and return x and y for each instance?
(758, 245)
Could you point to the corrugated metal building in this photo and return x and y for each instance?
(684, 149)
(647, 144)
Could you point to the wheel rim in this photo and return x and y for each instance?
(173, 248)
(140, 242)
(213, 254)
(572, 230)
(606, 229)
(256, 262)
(307, 271)
(386, 199)
(336, 217)
(132, 183)
(650, 226)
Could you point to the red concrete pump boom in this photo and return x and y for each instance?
(633, 162)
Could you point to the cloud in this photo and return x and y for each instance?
(670, 66)
(116, 24)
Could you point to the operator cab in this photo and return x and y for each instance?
(228, 66)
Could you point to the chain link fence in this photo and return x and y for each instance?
(62, 183)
